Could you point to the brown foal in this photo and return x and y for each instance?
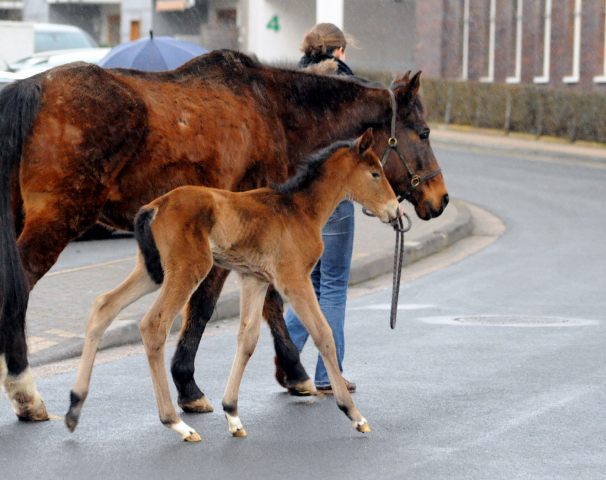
(269, 236)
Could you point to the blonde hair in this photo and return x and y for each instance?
(324, 38)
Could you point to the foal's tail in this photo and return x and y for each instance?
(147, 244)
(18, 108)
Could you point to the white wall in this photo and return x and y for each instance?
(295, 18)
(383, 29)
(131, 10)
(35, 11)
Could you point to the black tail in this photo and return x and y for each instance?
(18, 108)
(147, 245)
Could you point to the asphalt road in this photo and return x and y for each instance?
(518, 391)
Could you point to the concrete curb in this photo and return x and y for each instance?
(228, 306)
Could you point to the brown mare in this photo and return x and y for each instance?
(80, 144)
(269, 236)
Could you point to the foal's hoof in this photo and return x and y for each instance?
(194, 437)
(235, 425)
(201, 405)
(362, 426)
(71, 421)
(187, 433)
(303, 389)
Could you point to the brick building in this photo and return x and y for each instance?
(559, 43)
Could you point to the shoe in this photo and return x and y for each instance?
(351, 387)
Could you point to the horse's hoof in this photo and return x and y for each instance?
(194, 437)
(27, 414)
(303, 389)
(362, 426)
(239, 433)
(201, 405)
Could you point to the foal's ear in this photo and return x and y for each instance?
(365, 141)
(409, 90)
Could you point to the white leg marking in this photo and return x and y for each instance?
(361, 426)
(22, 392)
(187, 433)
(235, 425)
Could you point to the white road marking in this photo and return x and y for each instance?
(387, 306)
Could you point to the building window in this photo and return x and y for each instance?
(576, 45)
(518, 61)
(546, 45)
(135, 30)
(465, 63)
(491, 42)
(113, 29)
(602, 78)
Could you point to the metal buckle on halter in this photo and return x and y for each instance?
(415, 181)
(392, 142)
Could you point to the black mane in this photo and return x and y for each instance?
(311, 169)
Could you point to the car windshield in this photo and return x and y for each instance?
(62, 40)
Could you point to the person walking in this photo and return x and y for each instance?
(330, 276)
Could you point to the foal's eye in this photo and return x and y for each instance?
(424, 135)
(375, 175)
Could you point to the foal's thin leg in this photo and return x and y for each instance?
(105, 309)
(199, 310)
(305, 304)
(154, 330)
(251, 307)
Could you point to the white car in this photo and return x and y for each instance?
(39, 62)
(51, 36)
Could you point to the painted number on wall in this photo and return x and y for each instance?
(273, 24)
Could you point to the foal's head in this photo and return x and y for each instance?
(367, 184)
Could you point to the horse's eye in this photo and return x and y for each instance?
(376, 174)
(424, 135)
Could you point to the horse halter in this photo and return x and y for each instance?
(392, 144)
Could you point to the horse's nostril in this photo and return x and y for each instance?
(445, 200)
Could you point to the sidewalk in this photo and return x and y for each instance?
(516, 144)
(60, 303)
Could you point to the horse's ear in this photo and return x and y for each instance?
(407, 92)
(365, 141)
(405, 78)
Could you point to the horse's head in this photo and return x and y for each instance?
(411, 167)
(368, 184)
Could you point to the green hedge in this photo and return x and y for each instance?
(570, 114)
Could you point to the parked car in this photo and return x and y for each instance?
(22, 39)
(50, 36)
(39, 62)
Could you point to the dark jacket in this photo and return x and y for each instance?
(342, 68)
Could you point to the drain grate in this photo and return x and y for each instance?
(510, 321)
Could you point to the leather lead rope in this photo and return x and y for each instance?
(398, 226)
(398, 263)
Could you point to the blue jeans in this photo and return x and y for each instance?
(330, 277)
